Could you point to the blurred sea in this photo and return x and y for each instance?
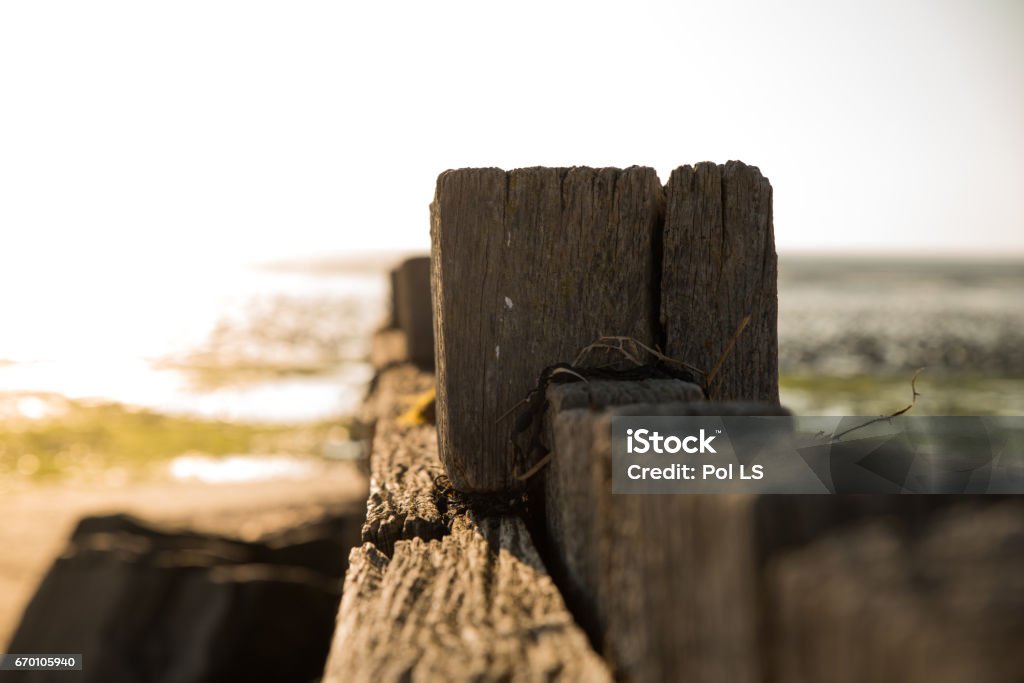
(852, 332)
(877, 316)
(288, 343)
(265, 343)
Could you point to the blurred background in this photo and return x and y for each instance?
(199, 202)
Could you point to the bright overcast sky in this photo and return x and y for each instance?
(259, 129)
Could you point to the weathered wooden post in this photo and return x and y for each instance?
(719, 270)
(531, 265)
(528, 267)
(413, 309)
(392, 320)
(667, 584)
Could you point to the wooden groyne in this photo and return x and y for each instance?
(439, 591)
(493, 548)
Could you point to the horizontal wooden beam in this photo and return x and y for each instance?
(437, 592)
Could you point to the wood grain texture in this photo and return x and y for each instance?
(604, 393)
(665, 584)
(528, 267)
(439, 595)
(476, 605)
(719, 266)
(403, 460)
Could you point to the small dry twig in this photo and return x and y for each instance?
(535, 469)
(630, 349)
(725, 354)
(884, 418)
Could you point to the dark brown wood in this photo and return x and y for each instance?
(141, 603)
(719, 266)
(528, 267)
(413, 308)
(780, 588)
(392, 320)
(439, 594)
(666, 584)
(938, 602)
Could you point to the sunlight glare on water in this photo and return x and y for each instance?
(104, 330)
(235, 469)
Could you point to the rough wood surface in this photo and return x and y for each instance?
(719, 266)
(413, 309)
(435, 594)
(403, 462)
(476, 605)
(665, 584)
(604, 393)
(939, 603)
(528, 267)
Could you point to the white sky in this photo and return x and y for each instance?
(203, 130)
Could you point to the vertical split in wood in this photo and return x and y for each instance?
(531, 265)
(528, 267)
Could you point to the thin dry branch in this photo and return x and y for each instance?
(535, 469)
(630, 349)
(725, 354)
(884, 418)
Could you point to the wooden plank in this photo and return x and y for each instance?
(891, 602)
(403, 460)
(435, 593)
(719, 266)
(528, 267)
(665, 584)
(476, 605)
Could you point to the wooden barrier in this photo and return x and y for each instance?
(528, 267)
(775, 588)
(665, 584)
(439, 591)
(531, 265)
